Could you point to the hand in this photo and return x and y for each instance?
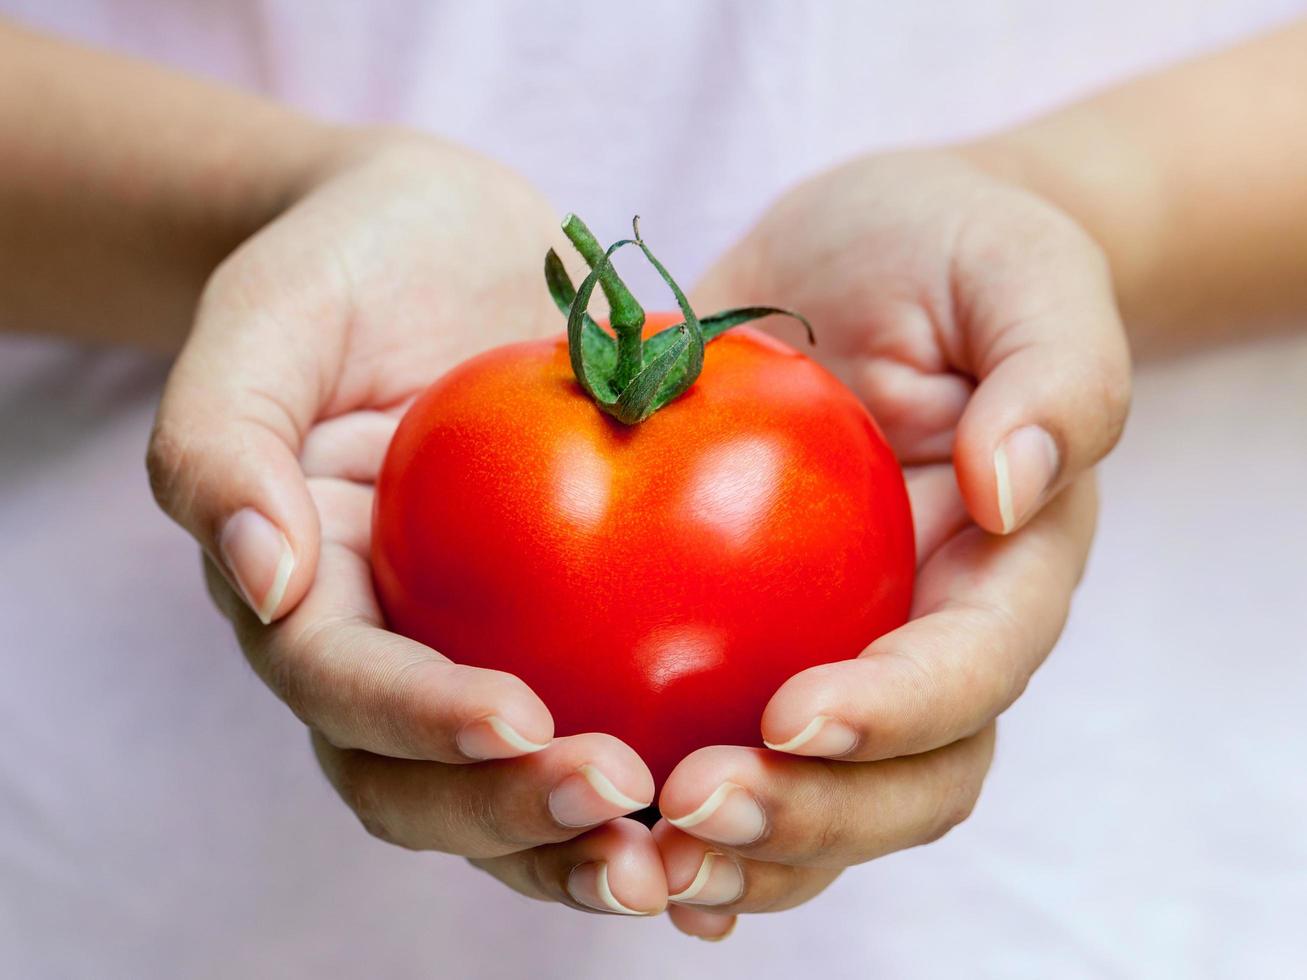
(978, 324)
(403, 259)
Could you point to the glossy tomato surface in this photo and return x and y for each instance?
(657, 582)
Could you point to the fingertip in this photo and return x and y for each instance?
(824, 736)
(693, 780)
(800, 720)
(1005, 479)
(1053, 402)
(591, 884)
(603, 779)
(260, 562)
(607, 788)
(621, 871)
(637, 869)
(711, 927)
(697, 873)
(493, 737)
(235, 484)
(1026, 465)
(505, 719)
(712, 794)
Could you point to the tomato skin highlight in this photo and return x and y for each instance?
(660, 581)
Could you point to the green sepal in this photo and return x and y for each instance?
(717, 324)
(597, 383)
(630, 378)
(640, 398)
(712, 327)
(597, 344)
(679, 377)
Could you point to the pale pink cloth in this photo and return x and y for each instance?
(160, 814)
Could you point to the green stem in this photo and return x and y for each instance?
(630, 378)
(625, 316)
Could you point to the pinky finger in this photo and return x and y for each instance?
(614, 868)
(700, 923)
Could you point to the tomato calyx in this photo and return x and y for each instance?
(627, 376)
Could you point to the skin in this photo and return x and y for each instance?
(958, 314)
(1197, 220)
(389, 716)
(133, 182)
(991, 274)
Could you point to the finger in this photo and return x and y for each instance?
(710, 879)
(765, 806)
(363, 687)
(910, 391)
(1046, 342)
(223, 455)
(938, 512)
(917, 405)
(349, 447)
(493, 808)
(987, 610)
(700, 923)
(614, 869)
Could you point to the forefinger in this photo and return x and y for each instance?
(987, 612)
(363, 687)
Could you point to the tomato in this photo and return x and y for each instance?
(659, 581)
(651, 530)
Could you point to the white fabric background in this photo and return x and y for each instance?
(160, 815)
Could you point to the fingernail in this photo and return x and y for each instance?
(259, 558)
(588, 797)
(588, 885)
(1025, 464)
(729, 816)
(823, 736)
(494, 738)
(717, 882)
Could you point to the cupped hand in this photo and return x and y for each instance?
(978, 324)
(404, 258)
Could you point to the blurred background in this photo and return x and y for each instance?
(160, 813)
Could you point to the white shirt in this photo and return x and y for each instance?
(160, 813)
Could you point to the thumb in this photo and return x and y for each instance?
(223, 458)
(1047, 345)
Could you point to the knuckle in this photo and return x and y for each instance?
(542, 875)
(472, 824)
(479, 821)
(828, 839)
(302, 670)
(166, 464)
(920, 690)
(359, 791)
(776, 895)
(835, 818)
(1114, 396)
(958, 812)
(957, 800)
(953, 811)
(289, 675)
(993, 680)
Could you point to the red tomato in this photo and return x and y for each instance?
(659, 581)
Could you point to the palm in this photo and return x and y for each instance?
(384, 277)
(396, 269)
(419, 259)
(918, 274)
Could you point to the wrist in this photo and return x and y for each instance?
(1111, 190)
(326, 152)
